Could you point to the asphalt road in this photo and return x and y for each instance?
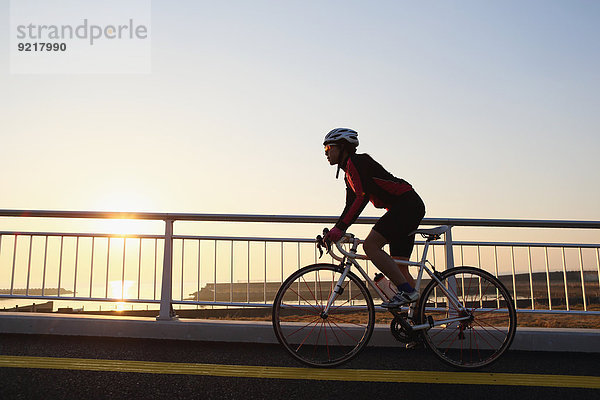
(36, 383)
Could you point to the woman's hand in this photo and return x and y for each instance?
(334, 235)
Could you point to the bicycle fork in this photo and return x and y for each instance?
(337, 290)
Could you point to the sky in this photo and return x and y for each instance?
(488, 108)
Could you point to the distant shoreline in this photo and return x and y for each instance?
(36, 291)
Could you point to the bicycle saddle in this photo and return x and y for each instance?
(433, 233)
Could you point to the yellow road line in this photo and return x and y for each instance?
(351, 375)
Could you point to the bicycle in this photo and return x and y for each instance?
(323, 314)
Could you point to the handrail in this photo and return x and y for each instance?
(466, 222)
(166, 299)
(287, 239)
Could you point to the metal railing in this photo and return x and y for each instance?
(228, 271)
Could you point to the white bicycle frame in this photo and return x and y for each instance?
(351, 257)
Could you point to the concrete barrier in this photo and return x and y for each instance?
(532, 339)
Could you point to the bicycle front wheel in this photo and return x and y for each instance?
(476, 331)
(310, 335)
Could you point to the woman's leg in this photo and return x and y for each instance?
(406, 272)
(394, 228)
(398, 274)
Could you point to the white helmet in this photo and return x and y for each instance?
(339, 134)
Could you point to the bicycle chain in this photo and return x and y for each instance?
(399, 333)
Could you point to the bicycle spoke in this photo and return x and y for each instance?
(318, 280)
(479, 299)
(493, 337)
(345, 332)
(489, 283)
(490, 326)
(318, 336)
(445, 329)
(314, 338)
(307, 302)
(308, 287)
(346, 302)
(456, 296)
(491, 317)
(451, 343)
(347, 322)
(326, 341)
(334, 334)
(487, 312)
(489, 330)
(473, 338)
(299, 329)
(301, 308)
(307, 336)
(450, 334)
(465, 297)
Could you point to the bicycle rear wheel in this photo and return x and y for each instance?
(312, 337)
(490, 328)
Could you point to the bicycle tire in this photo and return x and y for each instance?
(308, 335)
(489, 332)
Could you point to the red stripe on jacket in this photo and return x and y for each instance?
(357, 186)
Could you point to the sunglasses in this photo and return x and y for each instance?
(328, 147)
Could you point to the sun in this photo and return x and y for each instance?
(121, 290)
(121, 226)
(122, 201)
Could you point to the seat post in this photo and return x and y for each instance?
(425, 251)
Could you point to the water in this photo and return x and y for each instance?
(79, 305)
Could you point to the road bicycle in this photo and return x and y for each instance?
(323, 314)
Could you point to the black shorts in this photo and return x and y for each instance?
(401, 219)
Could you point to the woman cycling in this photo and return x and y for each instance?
(366, 180)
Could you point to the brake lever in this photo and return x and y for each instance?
(321, 242)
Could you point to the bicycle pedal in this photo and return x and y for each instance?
(412, 345)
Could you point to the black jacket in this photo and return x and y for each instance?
(366, 180)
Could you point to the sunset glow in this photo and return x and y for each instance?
(121, 290)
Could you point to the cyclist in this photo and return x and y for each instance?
(366, 180)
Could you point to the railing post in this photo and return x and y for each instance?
(166, 309)
(449, 248)
(452, 285)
